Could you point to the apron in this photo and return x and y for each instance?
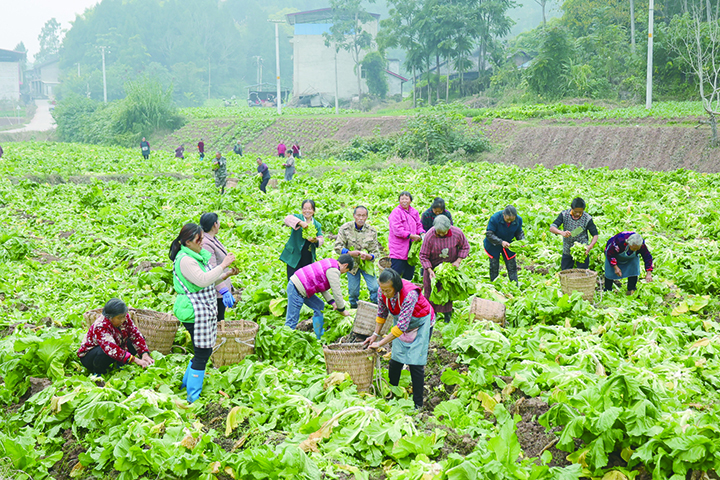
(204, 304)
(415, 351)
(628, 262)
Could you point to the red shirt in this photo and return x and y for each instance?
(113, 340)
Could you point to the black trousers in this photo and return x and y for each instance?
(99, 362)
(402, 267)
(221, 310)
(632, 284)
(263, 184)
(567, 262)
(510, 265)
(417, 373)
(202, 355)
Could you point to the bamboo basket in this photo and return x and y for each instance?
(91, 316)
(488, 310)
(235, 340)
(354, 359)
(365, 316)
(580, 280)
(158, 328)
(384, 263)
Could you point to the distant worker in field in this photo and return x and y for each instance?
(289, 166)
(577, 224)
(194, 281)
(437, 208)
(263, 170)
(180, 152)
(296, 149)
(145, 148)
(113, 340)
(281, 149)
(201, 149)
(359, 240)
(1, 151)
(237, 148)
(621, 260)
(502, 229)
(321, 277)
(220, 168)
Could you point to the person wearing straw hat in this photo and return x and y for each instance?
(577, 224)
(195, 305)
(321, 277)
(359, 239)
(502, 229)
(113, 339)
(443, 244)
(413, 320)
(211, 226)
(621, 260)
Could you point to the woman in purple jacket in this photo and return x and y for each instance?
(405, 228)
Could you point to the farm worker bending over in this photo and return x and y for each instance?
(237, 148)
(320, 277)
(180, 152)
(113, 339)
(621, 260)
(211, 226)
(405, 228)
(503, 228)
(437, 208)
(305, 238)
(196, 305)
(359, 240)
(263, 170)
(220, 167)
(577, 224)
(443, 243)
(413, 319)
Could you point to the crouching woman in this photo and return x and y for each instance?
(113, 339)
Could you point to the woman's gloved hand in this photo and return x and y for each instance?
(228, 299)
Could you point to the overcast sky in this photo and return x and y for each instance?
(22, 20)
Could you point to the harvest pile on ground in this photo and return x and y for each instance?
(625, 385)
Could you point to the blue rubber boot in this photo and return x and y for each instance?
(185, 377)
(318, 323)
(194, 384)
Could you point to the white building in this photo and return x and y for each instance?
(44, 77)
(314, 63)
(10, 78)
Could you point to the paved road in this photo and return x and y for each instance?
(41, 122)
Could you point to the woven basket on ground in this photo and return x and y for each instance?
(354, 359)
(235, 340)
(273, 183)
(158, 328)
(580, 280)
(365, 316)
(384, 263)
(488, 310)
(91, 316)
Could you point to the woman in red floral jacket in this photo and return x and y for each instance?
(113, 339)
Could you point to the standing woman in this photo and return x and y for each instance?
(289, 167)
(211, 226)
(300, 252)
(144, 148)
(503, 228)
(201, 149)
(437, 208)
(577, 224)
(621, 260)
(443, 243)
(413, 321)
(220, 167)
(405, 227)
(196, 306)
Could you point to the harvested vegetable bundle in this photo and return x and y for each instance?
(310, 231)
(366, 265)
(577, 251)
(414, 253)
(456, 285)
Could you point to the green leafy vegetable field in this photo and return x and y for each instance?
(623, 387)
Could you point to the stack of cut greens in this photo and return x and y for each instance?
(455, 284)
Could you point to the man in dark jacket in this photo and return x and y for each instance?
(502, 229)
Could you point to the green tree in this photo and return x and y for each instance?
(346, 31)
(49, 39)
(374, 67)
(548, 76)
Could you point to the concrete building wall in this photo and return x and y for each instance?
(9, 81)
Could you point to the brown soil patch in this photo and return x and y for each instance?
(71, 450)
(144, 266)
(532, 436)
(46, 258)
(66, 234)
(439, 359)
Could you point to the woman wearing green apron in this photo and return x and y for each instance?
(196, 303)
(413, 321)
(622, 260)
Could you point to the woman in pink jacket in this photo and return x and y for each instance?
(405, 227)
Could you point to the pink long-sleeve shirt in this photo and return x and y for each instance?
(403, 223)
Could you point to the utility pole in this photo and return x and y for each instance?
(278, 98)
(259, 64)
(102, 49)
(648, 92)
(337, 108)
(208, 79)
